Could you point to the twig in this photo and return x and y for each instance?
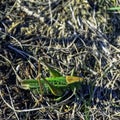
(40, 108)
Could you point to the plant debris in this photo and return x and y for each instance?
(68, 34)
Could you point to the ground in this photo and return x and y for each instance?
(83, 35)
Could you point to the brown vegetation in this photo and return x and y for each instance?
(67, 34)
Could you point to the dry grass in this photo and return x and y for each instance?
(67, 34)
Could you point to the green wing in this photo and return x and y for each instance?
(53, 72)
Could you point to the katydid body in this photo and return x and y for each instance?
(55, 85)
